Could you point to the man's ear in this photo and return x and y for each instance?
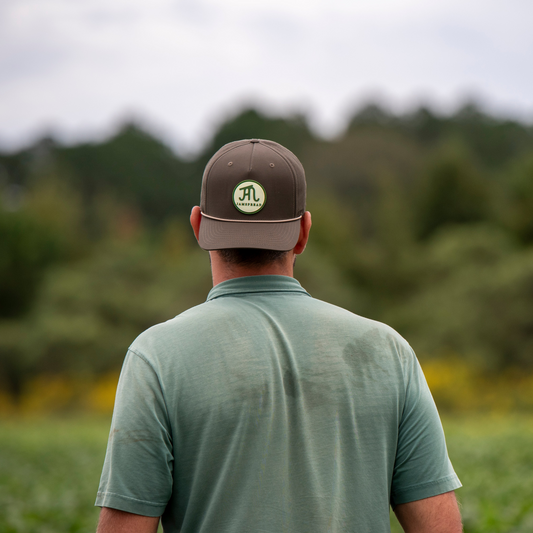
(196, 219)
(305, 227)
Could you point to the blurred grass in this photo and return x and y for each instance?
(49, 473)
(493, 457)
(50, 468)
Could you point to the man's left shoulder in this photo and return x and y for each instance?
(367, 327)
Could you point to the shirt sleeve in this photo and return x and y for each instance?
(137, 472)
(422, 468)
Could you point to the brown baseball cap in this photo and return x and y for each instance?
(253, 196)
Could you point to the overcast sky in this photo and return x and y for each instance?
(77, 68)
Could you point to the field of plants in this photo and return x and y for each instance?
(50, 467)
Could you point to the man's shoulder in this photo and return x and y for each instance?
(189, 331)
(204, 325)
(188, 323)
(351, 320)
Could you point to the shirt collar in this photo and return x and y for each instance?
(249, 284)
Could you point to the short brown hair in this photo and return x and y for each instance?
(251, 257)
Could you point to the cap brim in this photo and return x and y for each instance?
(219, 235)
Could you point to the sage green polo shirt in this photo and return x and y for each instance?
(266, 410)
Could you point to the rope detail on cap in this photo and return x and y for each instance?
(257, 221)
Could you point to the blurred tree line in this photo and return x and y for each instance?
(420, 220)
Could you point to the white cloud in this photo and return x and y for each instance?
(80, 65)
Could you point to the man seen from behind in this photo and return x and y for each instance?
(264, 410)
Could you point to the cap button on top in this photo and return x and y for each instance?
(254, 140)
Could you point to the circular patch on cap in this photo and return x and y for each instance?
(249, 197)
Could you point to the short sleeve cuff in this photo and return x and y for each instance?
(425, 490)
(130, 505)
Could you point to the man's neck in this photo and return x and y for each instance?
(223, 271)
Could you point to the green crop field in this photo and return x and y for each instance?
(494, 460)
(49, 471)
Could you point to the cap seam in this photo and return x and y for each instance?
(251, 158)
(207, 175)
(293, 174)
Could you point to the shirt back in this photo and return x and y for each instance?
(264, 409)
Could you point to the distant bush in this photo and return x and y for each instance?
(421, 221)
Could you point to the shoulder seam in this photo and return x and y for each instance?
(143, 358)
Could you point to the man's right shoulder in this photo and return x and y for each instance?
(192, 324)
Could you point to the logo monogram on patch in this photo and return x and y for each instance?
(249, 197)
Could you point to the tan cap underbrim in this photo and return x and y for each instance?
(219, 235)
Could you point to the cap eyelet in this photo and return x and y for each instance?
(272, 165)
(230, 163)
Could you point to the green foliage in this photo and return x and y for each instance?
(135, 169)
(39, 231)
(420, 220)
(26, 250)
(354, 168)
(518, 198)
(49, 473)
(322, 277)
(292, 132)
(473, 297)
(493, 141)
(90, 311)
(450, 192)
(493, 459)
(374, 116)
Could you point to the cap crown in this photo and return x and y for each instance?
(274, 168)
